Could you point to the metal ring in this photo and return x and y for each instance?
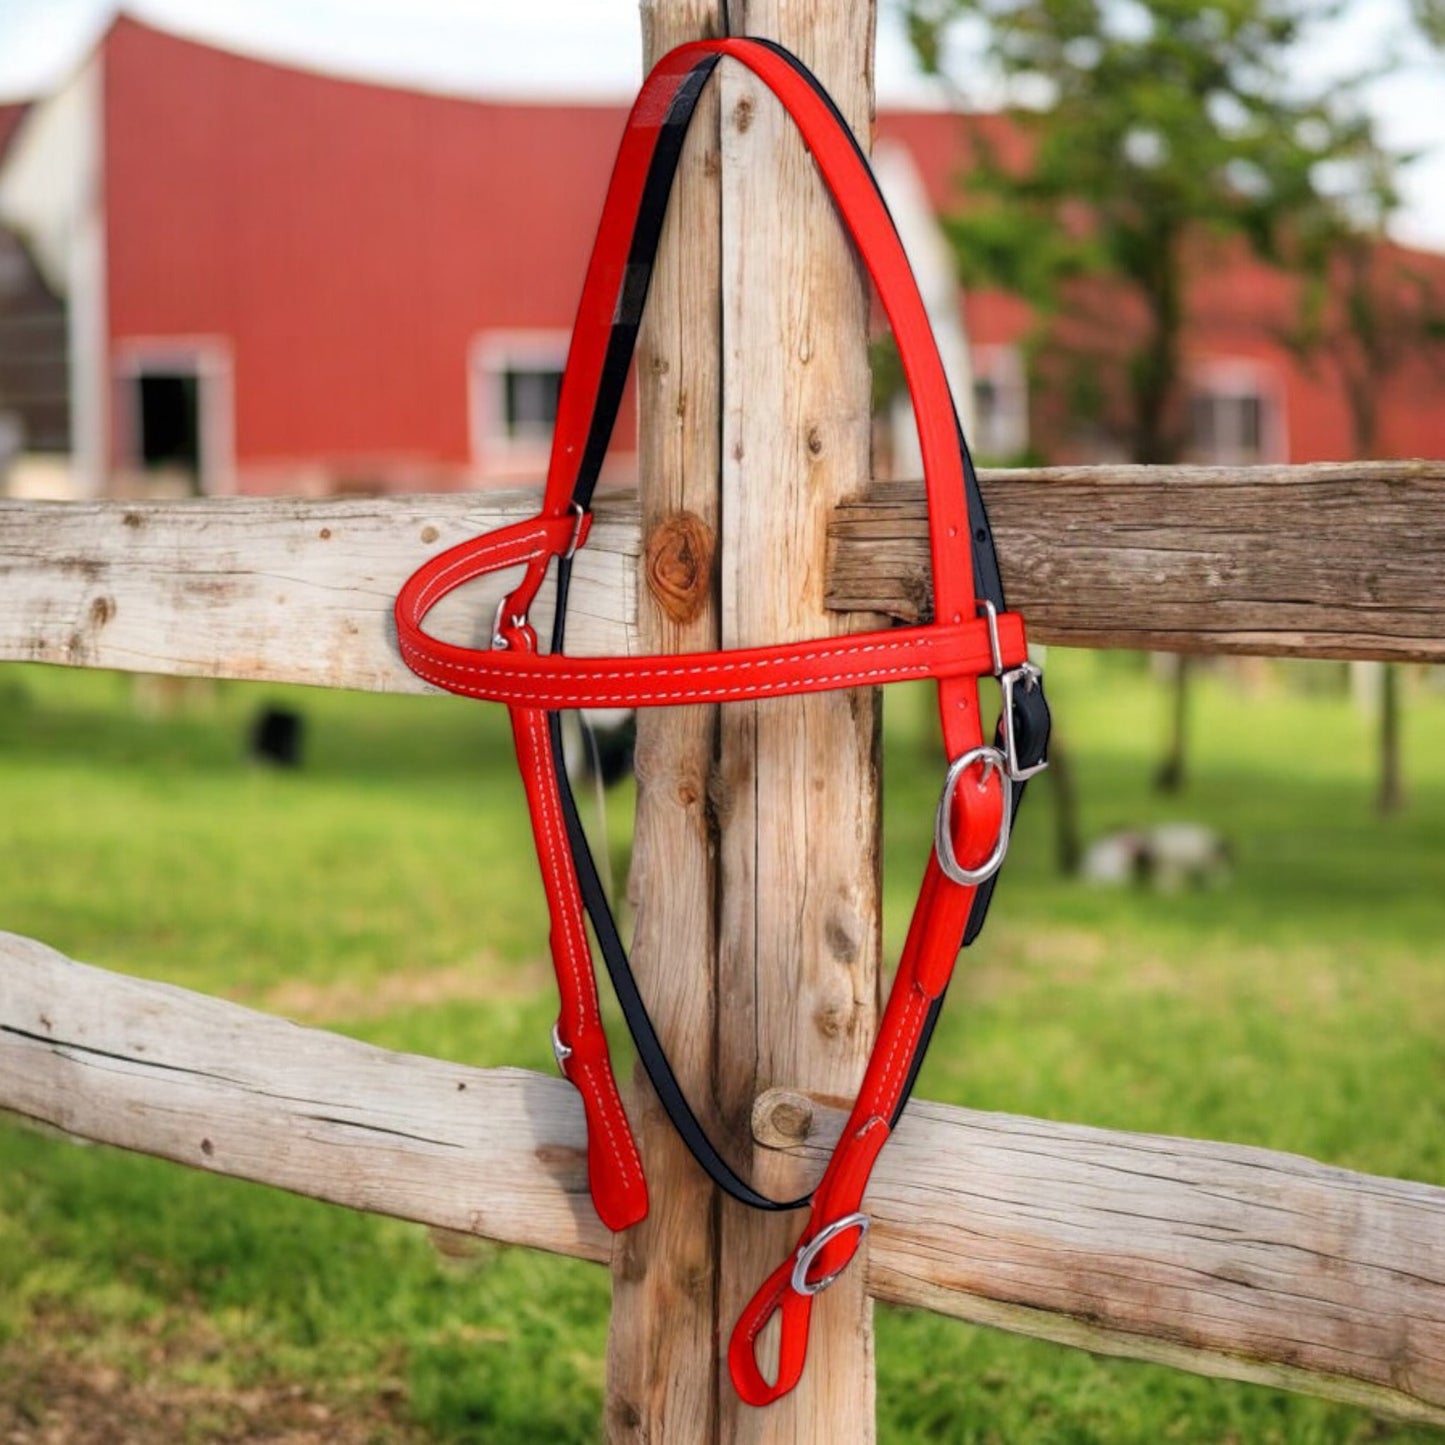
(809, 1252)
(943, 833)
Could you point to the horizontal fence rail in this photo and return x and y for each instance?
(275, 589)
(1333, 560)
(1319, 561)
(1217, 1258)
(1211, 1257)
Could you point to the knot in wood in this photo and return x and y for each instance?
(782, 1119)
(678, 565)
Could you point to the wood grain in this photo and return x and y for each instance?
(274, 589)
(162, 1070)
(663, 1367)
(1225, 1260)
(1237, 1262)
(797, 781)
(1333, 560)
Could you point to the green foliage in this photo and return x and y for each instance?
(1150, 130)
(1298, 1007)
(1430, 17)
(1366, 309)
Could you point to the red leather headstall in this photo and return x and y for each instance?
(971, 635)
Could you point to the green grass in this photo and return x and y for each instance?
(1298, 1007)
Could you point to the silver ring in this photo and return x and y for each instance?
(809, 1252)
(993, 760)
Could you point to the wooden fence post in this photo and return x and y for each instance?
(662, 1378)
(756, 865)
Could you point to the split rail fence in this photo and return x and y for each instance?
(1212, 1257)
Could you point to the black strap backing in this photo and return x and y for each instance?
(621, 344)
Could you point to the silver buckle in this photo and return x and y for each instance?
(1029, 675)
(519, 619)
(809, 1252)
(991, 758)
(1026, 673)
(560, 1051)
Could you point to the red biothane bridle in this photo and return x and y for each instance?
(972, 635)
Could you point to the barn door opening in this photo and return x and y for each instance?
(173, 420)
(169, 404)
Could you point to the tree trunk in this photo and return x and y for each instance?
(1157, 442)
(1170, 776)
(1391, 795)
(1068, 842)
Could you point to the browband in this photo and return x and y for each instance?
(971, 634)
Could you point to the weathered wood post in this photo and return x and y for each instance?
(755, 872)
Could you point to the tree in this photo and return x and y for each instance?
(1154, 135)
(1430, 17)
(1367, 312)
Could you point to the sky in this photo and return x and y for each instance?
(585, 49)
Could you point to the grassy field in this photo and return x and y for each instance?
(387, 890)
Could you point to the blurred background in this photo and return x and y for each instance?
(326, 247)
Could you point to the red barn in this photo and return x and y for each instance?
(283, 280)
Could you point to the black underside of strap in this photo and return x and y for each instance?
(651, 211)
(618, 359)
(624, 983)
(642, 252)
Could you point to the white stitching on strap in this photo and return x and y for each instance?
(755, 689)
(548, 837)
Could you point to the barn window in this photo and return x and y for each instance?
(1000, 403)
(1235, 417)
(170, 421)
(530, 401)
(514, 379)
(173, 415)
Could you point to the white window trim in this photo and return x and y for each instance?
(1227, 378)
(490, 356)
(213, 361)
(1003, 366)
